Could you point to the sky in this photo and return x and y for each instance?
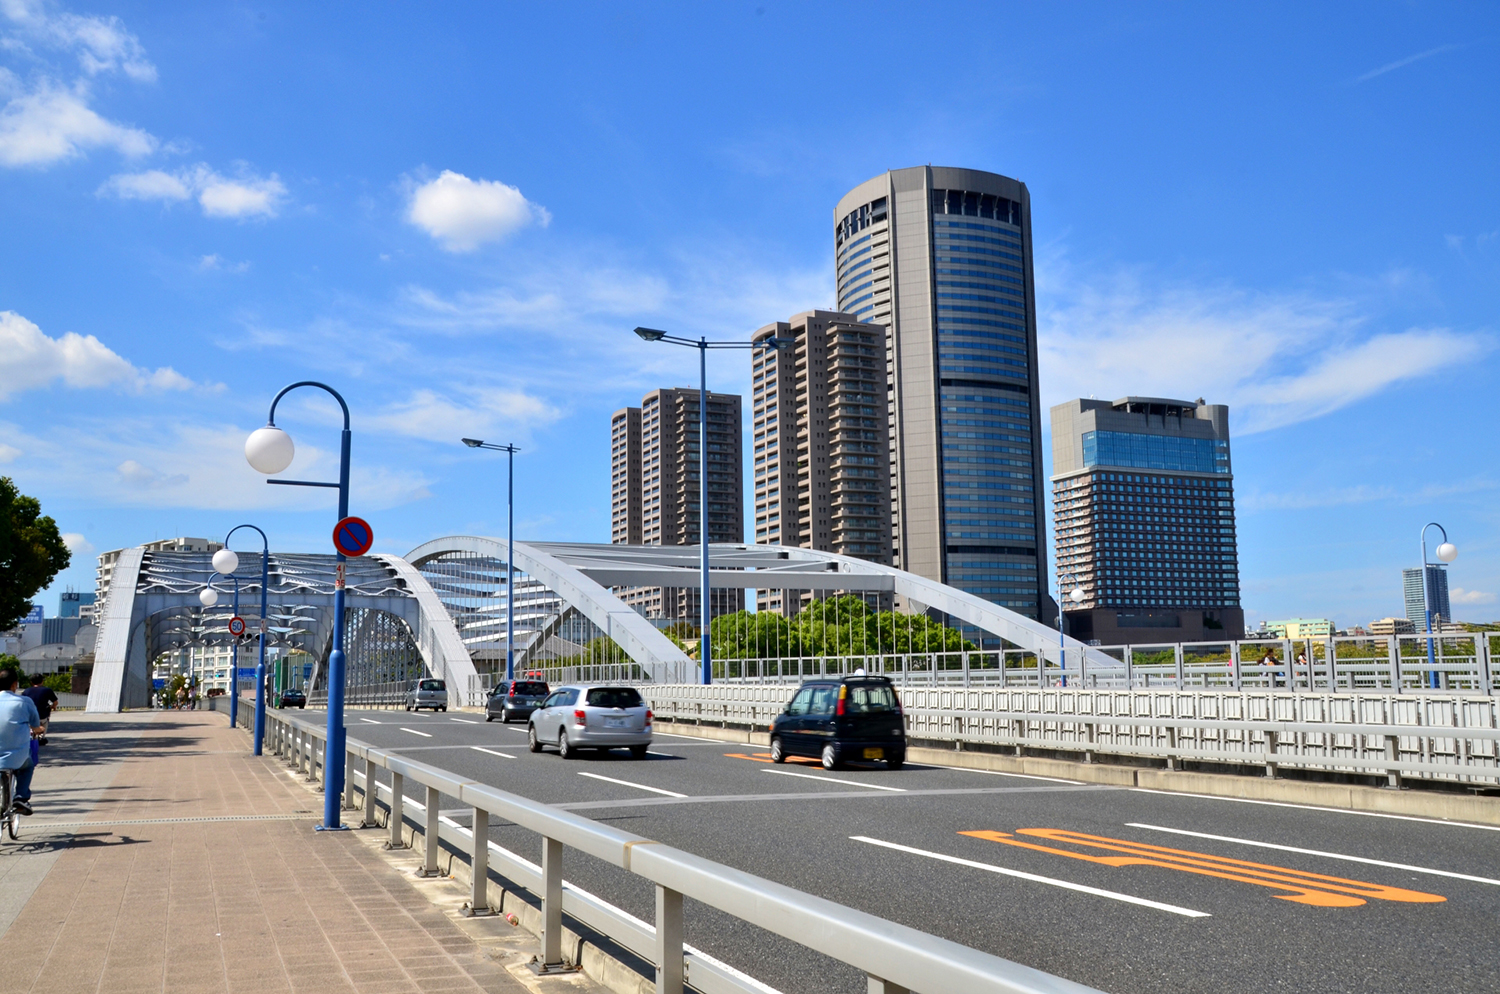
(455, 214)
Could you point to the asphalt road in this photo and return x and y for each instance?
(1350, 902)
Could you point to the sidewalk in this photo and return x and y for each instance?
(163, 857)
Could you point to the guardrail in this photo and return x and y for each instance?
(895, 958)
(1441, 737)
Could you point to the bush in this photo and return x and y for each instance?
(59, 683)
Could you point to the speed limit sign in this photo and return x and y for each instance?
(236, 625)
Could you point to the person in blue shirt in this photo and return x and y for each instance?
(19, 722)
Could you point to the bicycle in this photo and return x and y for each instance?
(10, 818)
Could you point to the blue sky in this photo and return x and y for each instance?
(456, 213)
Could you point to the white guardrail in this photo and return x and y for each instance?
(896, 959)
(1439, 737)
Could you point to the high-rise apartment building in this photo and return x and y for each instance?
(1143, 501)
(821, 443)
(942, 258)
(1437, 596)
(657, 444)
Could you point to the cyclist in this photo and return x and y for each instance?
(45, 700)
(19, 723)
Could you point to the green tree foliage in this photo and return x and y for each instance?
(31, 552)
(764, 635)
(838, 626)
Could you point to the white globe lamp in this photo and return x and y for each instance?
(1077, 595)
(208, 597)
(226, 562)
(1447, 552)
(269, 450)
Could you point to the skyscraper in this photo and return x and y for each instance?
(1143, 501)
(657, 444)
(821, 448)
(942, 258)
(1437, 596)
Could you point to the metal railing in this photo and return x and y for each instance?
(895, 958)
(1441, 737)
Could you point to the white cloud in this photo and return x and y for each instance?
(1399, 63)
(472, 412)
(9, 453)
(30, 359)
(1276, 358)
(76, 543)
(218, 262)
(1459, 595)
(52, 123)
(101, 43)
(463, 214)
(245, 196)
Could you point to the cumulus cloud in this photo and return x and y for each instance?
(244, 196)
(77, 543)
(30, 359)
(101, 43)
(1278, 359)
(53, 123)
(463, 214)
(1459, 595)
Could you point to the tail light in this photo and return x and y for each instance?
(649, 716)
(843, 692)
(580, 717)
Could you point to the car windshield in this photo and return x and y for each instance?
(613, 697)
(432, 685)
(530, 689)
(864, 698)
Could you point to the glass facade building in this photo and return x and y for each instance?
(1436, 596)
(941, 258)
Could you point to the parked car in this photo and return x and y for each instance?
(576, 718)
(514, 699)
(291, 697)
(856, 717)
(428, 694)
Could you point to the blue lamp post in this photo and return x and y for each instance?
(270, 450)
(1447, 552)
(510, 549)
(703, 345)
(208, 597)
(1076, 595)
(225, 561)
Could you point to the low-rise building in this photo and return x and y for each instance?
(1391, 626)
(1297, 628)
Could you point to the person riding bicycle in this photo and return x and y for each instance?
(19, 723)
(45, 700)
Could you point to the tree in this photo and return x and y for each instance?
(762, 635)
(31, 552)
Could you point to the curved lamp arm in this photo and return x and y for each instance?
(271, 417)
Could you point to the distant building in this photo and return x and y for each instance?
(36, 615)
(70, 603)
(1391, 626)
(1298, 628)
(1437, 596)
(1143, 502)
(821, 442)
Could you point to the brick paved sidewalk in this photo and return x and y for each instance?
(194, 867)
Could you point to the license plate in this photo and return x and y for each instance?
(875, 753)
(620, 723)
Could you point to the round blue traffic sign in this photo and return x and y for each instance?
(353, 536)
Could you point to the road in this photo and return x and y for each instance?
(1197, 894)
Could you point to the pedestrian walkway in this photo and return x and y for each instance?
(164, 857)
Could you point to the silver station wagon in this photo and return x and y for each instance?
(428, 694)
(576, 718)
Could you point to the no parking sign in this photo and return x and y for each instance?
(353, 536)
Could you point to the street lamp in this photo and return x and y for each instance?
(703, 345)
(208, 597)
(226, 557)
(269, 450)
(1076, 595)
(1447, 552)
(510, 549)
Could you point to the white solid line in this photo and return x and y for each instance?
(627, 783)
(851, 783)
(697, 738)
(1000, 773)
(466, 721)
(1066, 885)
(369, 721)
(1316, 852)
(502, 755)
(1314, 807)
(424, 735)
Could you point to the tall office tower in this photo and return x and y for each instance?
(1143, 497)
(625, 476)
(664, 449)
(822, 455)
(1437, 596)
(942, 258)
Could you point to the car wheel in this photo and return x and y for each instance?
(896, 761)
(778, 753)
(488, 717)
(532, 742)
(564, 749)
(443, 709)
(830, 757)
(638, 752)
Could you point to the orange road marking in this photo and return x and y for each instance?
(1306, 888)
(765, 757)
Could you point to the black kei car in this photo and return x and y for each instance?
(514, 699)
(854, 717)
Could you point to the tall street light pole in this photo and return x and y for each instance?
(703, 345)
(270, 450)
(226, 561)
(510, 548)
(1447, 552)
(1076, 595)
(208, 597)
